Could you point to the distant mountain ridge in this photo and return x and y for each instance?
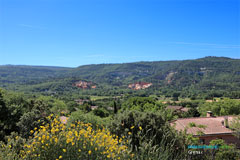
(208, 73)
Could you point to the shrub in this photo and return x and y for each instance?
(11, 149)
(101, 112)
(88, 118)
(7, 153)
(226, 152)
(55, 141)
(149, 135)
(142, 104)
(29, 121)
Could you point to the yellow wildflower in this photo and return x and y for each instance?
(56, 140)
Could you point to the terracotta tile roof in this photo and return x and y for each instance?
(184, 109)
(178, 108)
(94, 107)
(174, 107)
(214, 125)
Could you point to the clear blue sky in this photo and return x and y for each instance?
(78, 32)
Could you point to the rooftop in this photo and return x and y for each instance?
(178, 108)
(213, 125)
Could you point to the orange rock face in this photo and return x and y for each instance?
(93, 87)
(139, 85)
(84, 85)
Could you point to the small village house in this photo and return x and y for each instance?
(215, 128)
(179, 109)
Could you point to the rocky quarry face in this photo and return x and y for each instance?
(139, 85)
(84, 85)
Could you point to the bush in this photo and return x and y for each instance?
(7, 153)
(226, 152)
(88, 118)
(221, 107)
(57, 141)
(11, 149)
(149, 135)
(101, 112)
(29, 121)
(143, 104)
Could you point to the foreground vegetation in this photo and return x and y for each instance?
(55, 140)
(136, 128)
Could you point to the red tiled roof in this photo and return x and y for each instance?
(179, 108)
(184, 109)
(94, 107)
(174, 107)
(213, 125)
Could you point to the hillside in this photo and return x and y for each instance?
(201, 75)
(20, 74)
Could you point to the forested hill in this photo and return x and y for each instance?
(209, 73)
(186, 71)
(20, 74)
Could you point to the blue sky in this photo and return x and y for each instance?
(77, 32)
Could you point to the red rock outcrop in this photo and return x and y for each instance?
(84, 85)
(139, 85)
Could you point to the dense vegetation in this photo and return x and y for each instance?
(201, 78)
(136, 128)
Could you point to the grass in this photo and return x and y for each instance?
(94, 98)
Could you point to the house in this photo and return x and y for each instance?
(110, 108)
(81, 101)
(214, 128)
(180, 109)
(94, 107)
(93, 87)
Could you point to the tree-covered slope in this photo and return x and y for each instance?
(204, 74)
(20, 74)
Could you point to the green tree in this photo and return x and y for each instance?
(224, 151)
(29, 121)
(115, 109)
(235, 126)
(175, 96)
(220, 108)
(101, 112)
(3, 117)
(71, 106)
